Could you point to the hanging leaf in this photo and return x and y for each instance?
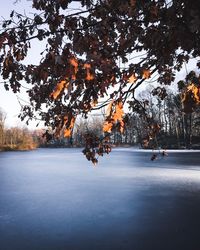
(68, 130)
(115, 118)
(89, 75)
(74, 63)
(132, 79)
(195, 91)
(107, 126)
(118, 114)
(59, 88)
(190, 98)
(146, 74)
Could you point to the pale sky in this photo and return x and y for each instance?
(8, 100)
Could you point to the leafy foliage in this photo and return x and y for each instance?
(83, 48)
(190, 89)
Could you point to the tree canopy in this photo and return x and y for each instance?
(100, 50)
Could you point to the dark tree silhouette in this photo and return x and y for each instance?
(83, 54)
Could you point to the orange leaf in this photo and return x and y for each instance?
(107, 127)
(118, 114)
(65, 120)
(195, 91)
(73, 61)
(89, 76)
(146, 73)
(132, 78)
(67, 131)
(87, 66)
(112, 78)
(59, 87)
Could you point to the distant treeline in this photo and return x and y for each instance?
(15, 138)
(177, 129)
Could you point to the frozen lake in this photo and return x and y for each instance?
(54, 199)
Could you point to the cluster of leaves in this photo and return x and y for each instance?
(80, 59)
(95, 147)
(190, 92)
(114, 117)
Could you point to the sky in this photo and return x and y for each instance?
(8, 100)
